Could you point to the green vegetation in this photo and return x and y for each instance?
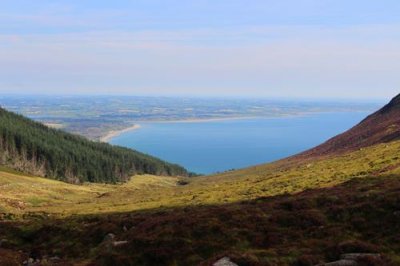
(308, 228)
(304, 210)
(36, 149)
(148, 192)
(286, 213)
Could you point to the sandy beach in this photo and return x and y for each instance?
(115, 133)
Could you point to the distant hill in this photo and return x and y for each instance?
(34, 148)
(382, 126)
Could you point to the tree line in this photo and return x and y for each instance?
(34, 148)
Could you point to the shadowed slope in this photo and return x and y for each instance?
(311, 227)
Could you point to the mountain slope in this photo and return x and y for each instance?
(43, 195)
(285, 176)
(291, 212)
(33, 148)
(311, 227)
(381, 127)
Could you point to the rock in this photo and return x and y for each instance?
(352, 259)
(358, 256)
(225, 261)
(340, 263)
(109, 237)
(119, 243)
(54, 259)
(108, 241)
(31, 262)
(125, 228)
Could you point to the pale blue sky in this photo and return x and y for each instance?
(281, 48)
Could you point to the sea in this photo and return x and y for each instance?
(207, 147)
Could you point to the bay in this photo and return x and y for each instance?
(214, 146)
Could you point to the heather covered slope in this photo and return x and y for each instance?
(314, 226)
(381, 127)
(33, 148)
(291, 212)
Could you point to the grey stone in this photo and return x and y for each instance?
(341, 263)
(351, 259)
(357, 256)
(54, 259)
(109, 237)
(225, 261)
(119, 243)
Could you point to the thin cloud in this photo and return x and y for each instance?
(86, 48)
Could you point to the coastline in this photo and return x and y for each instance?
(201, 120)
(216, 119)
(115, 133)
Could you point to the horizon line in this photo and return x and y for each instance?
(196, 96)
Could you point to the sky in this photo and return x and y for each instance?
(252, 48)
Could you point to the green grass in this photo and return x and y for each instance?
(286, 213)
(148, 192)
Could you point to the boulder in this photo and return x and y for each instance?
(109, 242)
(341, 263)
(225, 261)
(119, 243)
(352, 259)
(360, 256)
(109, 237)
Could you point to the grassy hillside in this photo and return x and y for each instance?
(302, 210)
(285, 213)
(36, 149)
(22, 194)
(155, 192)
(311, 227)
(255, 216)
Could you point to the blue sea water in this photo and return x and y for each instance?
(215, 146)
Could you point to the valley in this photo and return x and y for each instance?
(252, 221)
(199, 133)
(337, 199)
(150, 192)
